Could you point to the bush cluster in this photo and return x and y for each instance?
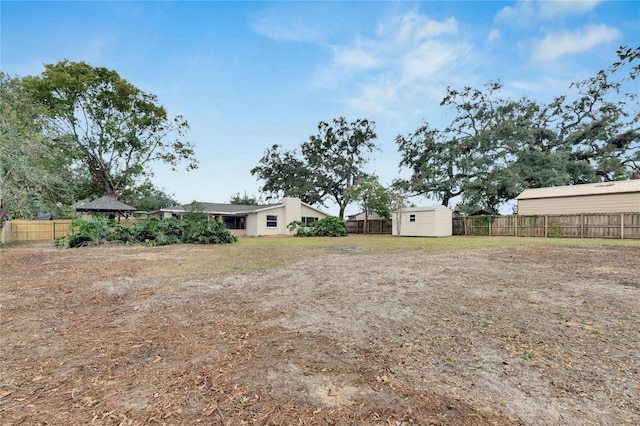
(151, 231)
(329, 226)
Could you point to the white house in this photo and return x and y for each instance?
(252, 220)
(434, 221)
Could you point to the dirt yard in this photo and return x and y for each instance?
(337, 335)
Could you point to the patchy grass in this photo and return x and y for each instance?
(262, 253)
(355, 330)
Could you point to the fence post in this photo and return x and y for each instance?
(6, 234)
(515, 225)
(622, 226)
(581, 226)
(546, 219)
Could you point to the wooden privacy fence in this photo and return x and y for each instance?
(21, 231)
(374, 226)
(601, 225)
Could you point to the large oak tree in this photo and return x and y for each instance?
(327, 166)
(107, 125)
(495, 147)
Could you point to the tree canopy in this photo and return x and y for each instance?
(33, 171)
(372, 197)
(107, 125)
(327, 166)
(495, 147)
(244, 200)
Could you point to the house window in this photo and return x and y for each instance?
(272, 221)
(412, 218)
(308, 220)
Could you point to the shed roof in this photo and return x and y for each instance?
(105, 204)
(599, 188)
(425, 209)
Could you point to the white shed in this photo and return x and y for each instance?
(434, 221)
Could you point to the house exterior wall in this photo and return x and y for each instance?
(597, 203)
(429, 222)
(238, 232)
(162, 214)
(306, 211)
(252, 225)
(291, 210)
(261, 222)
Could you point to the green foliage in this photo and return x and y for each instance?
(146, 197)
(327, 166)
(34, 175)
(206, 232)
(399, 199)
(194, 211)
(330, 226)
(495, 147)
(92, 232)
(244, 200)
(373, 197)
(481, 224)
(158, 232)
(151, 231)
(106, 125)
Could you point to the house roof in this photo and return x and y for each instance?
(220, 208)
(230, 209)
(599, 188)
(105, 204)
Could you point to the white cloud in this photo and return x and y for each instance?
(527, 12)
(287, 24)
(494, 35)
(427, 59)
(354, 58)
(374, 98)
(522, 11)
(413, 27)
(402, 62)
(556, 45)
(551, 9)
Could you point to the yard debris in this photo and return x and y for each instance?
(166, 335)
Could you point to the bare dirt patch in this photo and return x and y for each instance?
(502, 336)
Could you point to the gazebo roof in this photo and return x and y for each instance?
(105, 204)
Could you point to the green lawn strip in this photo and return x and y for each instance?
(251, 254)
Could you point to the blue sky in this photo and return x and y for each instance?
(247, 75)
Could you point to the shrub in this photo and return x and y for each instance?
(151, 231)
(90, 232)
(158, 232)
(206, 232)
(329, 226)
